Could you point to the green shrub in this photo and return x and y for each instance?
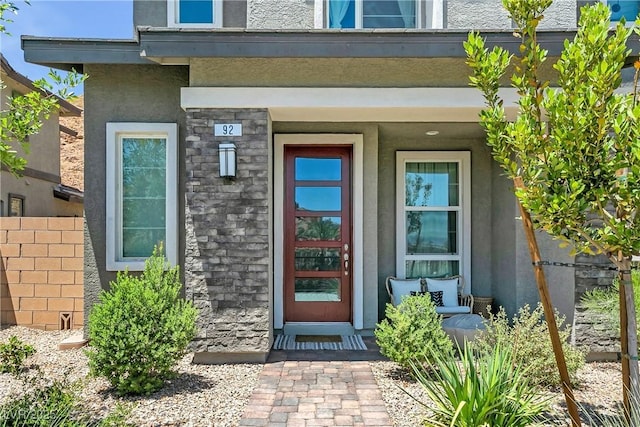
(531, 343)
(606, 301)
(13, 355)
(140, 328)
(488, 391)
(411, 330)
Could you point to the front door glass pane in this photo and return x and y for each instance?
(318, 228)
(317, 259)
(316, 199)
(432, 232)
(314, 169)
(432, 268)
(309, 290)
(431, 184)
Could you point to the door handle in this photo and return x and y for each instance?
(346, 259)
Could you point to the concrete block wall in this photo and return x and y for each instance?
(41, 272)
(228, 248)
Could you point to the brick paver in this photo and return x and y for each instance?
(316, 393)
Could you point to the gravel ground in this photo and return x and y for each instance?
(201, 395)
(216, 395)
(599, 394)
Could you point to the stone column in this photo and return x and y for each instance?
(228, 272)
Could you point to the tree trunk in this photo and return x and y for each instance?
(549, 314)
(629, 343)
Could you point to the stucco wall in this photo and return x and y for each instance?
(329, 72)
(139, 94)
(478, 15)
(281, 14)
(489, 14)
(561, 14)
(371, 221)
(514, 282)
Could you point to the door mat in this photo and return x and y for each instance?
(318, 338)
(346, 342)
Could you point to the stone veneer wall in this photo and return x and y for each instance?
(228, 247)
(589, 330)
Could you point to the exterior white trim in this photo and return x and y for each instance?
(357, 141)
(463, 158)
(318, 14)
(350, 104)
(437, 15)
(115, 133)
(173, 18)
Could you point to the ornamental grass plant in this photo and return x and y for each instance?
(482, 389)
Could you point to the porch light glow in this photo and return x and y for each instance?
(227, 153)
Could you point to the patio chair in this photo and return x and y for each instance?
(454, 300)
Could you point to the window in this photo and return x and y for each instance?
(627, 9)
(384, 13)
(16, 205)
(433, 214)
(142, 173)
(194, 13)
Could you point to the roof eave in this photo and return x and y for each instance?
(174, 46)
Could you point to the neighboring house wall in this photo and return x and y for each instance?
(143, 94)
(41, 279)
(42, 172)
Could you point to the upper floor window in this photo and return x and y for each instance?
(384, 13)
(627, 9)
(194, 13)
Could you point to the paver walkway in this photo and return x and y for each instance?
(298, 389)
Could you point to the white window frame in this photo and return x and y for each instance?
(173, 16)
(463, 158)
(115, 133)
(435, 14)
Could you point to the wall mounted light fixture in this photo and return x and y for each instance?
(227, 153)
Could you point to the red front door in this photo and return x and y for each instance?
(317, 234)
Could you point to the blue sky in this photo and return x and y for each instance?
(64, 18)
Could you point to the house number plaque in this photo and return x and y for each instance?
(227, 129)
